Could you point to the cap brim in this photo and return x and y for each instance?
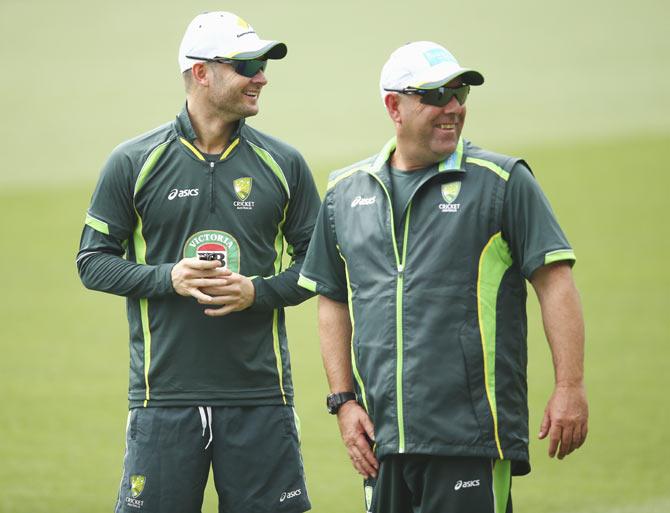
(267, 49)
(440, 75)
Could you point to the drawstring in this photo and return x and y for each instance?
(205, 420)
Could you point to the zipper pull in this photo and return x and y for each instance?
(401, 268)
(211, 165)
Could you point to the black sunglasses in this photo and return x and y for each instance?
(438, 97)
(245, 68)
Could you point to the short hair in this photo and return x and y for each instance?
(188, 80)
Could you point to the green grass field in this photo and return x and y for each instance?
(582, 96)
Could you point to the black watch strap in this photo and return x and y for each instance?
(334, 401)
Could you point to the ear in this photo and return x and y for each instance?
(199, 74)
(392, 103)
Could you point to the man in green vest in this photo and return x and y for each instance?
(420, 256)
(203, 208)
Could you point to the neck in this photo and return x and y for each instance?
(212, 131)
(407, 158)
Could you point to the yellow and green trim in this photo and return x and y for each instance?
(454, 161)
(193, 149)
(279, 253)
(558, 255)
(354, 366)
(306, 283)
(141, 258)
(97, 224)
(502, 484)
(490, 166)
(200, 156)
(494, 261)
(272, 164)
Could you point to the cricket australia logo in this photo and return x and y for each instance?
(242, 188)
(137, 482)
(449, 194)
(214, 245)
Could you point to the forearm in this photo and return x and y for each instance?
(280, 290)
(106, 272)
(335, 334)
(563, 323)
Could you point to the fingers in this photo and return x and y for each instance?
(220, 312)
(544, 427)
(202, 298)
(362, 458)
(566, 442)
(554, 440)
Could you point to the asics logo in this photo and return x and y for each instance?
(359, 200)
(289, 495)
(182, 193)
(466, 484)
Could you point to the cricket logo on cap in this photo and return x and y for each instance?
(137, 482)
(449, 194)
(243, 187)
(214, 245)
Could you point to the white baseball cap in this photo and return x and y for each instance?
(423, 65)
(224, 35)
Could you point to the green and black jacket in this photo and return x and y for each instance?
(158, 200)
(439, 317)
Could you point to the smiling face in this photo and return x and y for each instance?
(426, 134)
(231, 95)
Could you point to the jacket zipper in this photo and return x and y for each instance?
(211, 186)
(400, 268)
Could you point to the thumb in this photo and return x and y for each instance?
(369, 427)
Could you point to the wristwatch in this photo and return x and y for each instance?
(334, 401)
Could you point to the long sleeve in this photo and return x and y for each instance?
(282, 289)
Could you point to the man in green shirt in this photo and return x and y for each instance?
(203, 209)
(420, 255)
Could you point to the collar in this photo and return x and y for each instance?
(186, 133)
(454, 162)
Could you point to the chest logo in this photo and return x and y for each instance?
(361, 201)
(243, 187)
(182, 193)
(214, 245)
(450, 192)
(137, 485)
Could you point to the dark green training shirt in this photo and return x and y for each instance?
(159, 200)
(403, 185)
(439, 320)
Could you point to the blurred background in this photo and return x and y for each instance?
(579, 89)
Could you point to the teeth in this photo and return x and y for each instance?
(446, 126)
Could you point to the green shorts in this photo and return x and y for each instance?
(438, 484)
(254, 453)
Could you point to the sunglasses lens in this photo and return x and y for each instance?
(249, 68)
(442, 95)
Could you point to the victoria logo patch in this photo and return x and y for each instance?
(214, 245)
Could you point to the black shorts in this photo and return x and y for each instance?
(420, 483)
(254, 453)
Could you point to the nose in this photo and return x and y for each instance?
(259, 78)
(452, 105)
